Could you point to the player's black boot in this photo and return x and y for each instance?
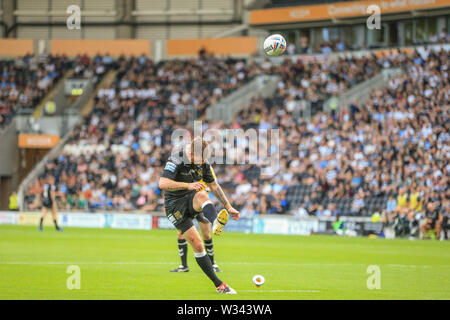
(180, 268)
(57, 227)
(225, 289)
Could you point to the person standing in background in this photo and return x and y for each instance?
(48, 199)
(14, 202)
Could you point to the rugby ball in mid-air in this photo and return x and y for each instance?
(258, 280)
(274, 45)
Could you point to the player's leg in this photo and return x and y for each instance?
(193, 238)
(55, 217)
(444, 226)
(423, 228)
(437, 225)
(180, 214)
(205, 229)
(182, 251)
(429, 225)
(44, 214)
(201, 203)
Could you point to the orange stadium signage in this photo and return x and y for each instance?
(38, 141)
(339, 10)
(233, 45)
(115, 48)
(15, 47)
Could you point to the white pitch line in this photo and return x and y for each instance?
(296, 264)
(225, 263)
(298, 291)
(407, 266)
(84, 262)
(166, 263)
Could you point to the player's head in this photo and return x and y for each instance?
(198, 151)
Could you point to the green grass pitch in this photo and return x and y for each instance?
(125, 264)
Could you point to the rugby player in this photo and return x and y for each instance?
(184, 200)
(48, 199)
(433, 221)
(205, 229)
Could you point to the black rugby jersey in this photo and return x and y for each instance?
(46, 191)
(178, 169)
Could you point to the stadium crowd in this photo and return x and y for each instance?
(303, 45)
(389, 154)
(352, 163)
(134, 120)
(137, 114)
(25, 81)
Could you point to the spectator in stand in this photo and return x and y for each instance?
(340, 45)
(433, 221)
(301, 211)
(391, 204)
(331, 210)
(25, 81)
(304, 45)
(358, 203)
(443, 36)
(291, 50)
(433, 38)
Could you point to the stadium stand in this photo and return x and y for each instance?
(26, 80)
(113, 161)
(354, 161)
(159, 93)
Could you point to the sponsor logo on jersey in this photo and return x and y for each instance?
(170, 166)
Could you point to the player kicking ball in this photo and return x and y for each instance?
(184, 200)
(205, 229)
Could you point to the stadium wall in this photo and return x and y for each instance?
(16, 47)
(218, 46)
(175, 48)
(115, 48)
(156, 49)
(257, 225)
(81, 220)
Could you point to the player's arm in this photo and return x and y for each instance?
(169, 184)
(53, 193)
(440, 218)
(167, 180)
(216, 190)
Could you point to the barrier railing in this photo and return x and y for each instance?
(362, 91)
(227, 107)
(260, 224)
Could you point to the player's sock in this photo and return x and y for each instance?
(41, 222)
(182, 250)
(209, 249)
(205, 263)
(56, 224)
(209, 211)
